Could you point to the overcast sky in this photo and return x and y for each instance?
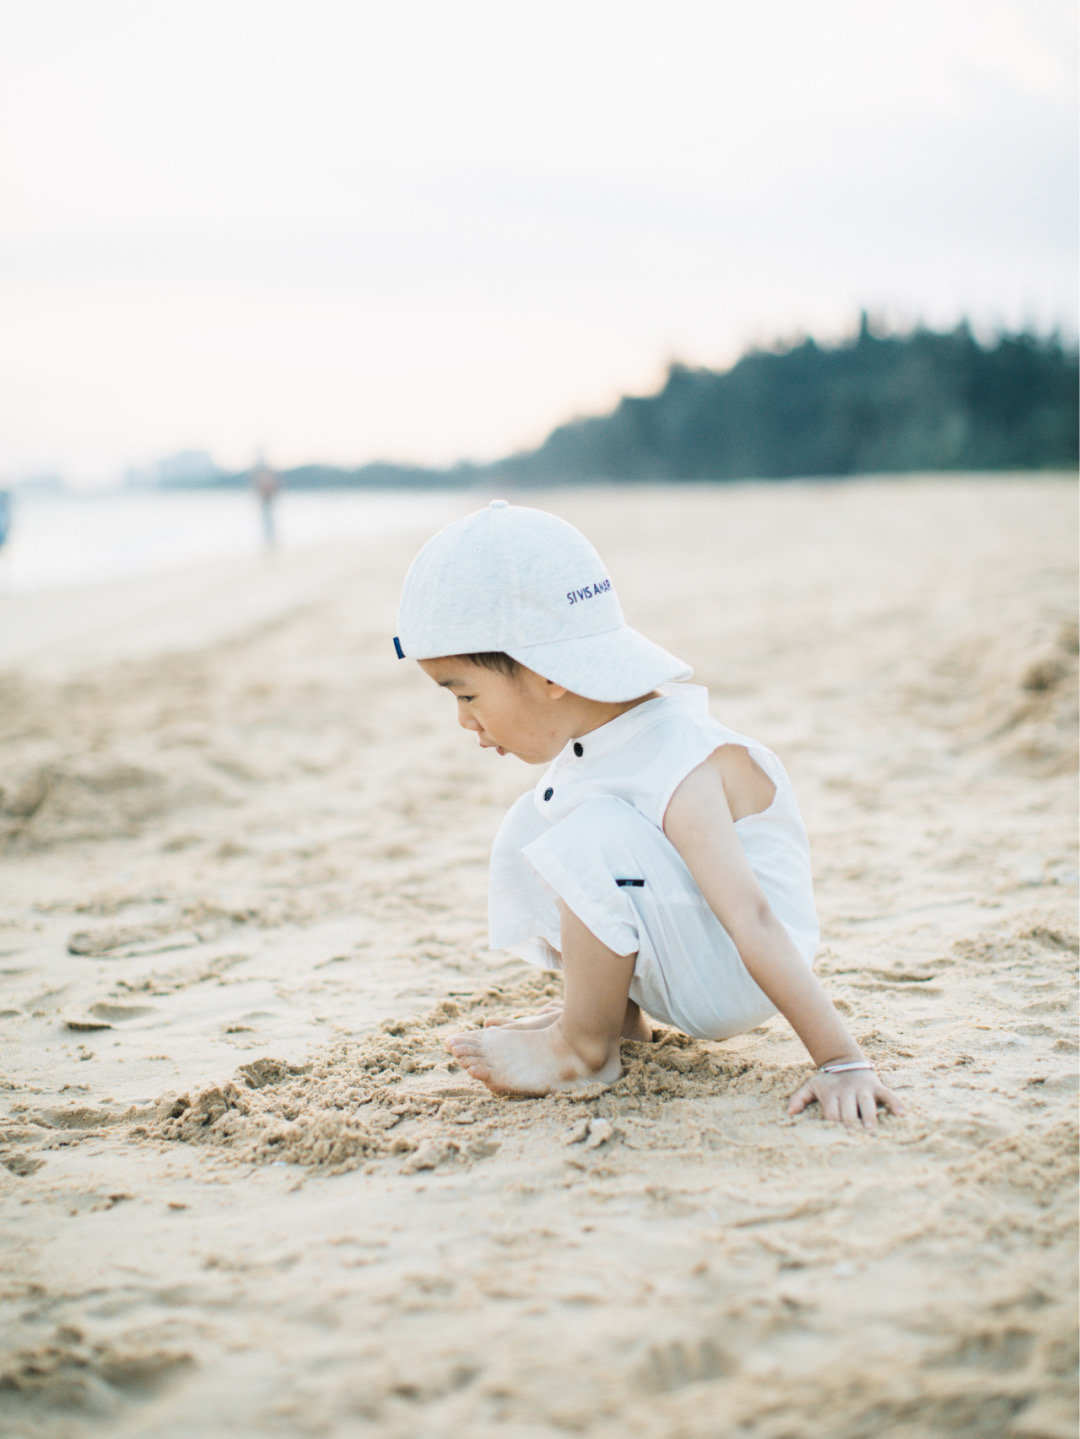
(424, 231)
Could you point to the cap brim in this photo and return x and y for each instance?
(613, 666)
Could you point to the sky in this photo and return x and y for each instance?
(343, 231)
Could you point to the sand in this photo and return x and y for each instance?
(244, 1191)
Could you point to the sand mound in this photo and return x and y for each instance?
(1031, 714)
(71, 772)
(100, 759)
(1012, 694)
(396, 1093)
(56, 802)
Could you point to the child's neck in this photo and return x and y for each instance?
(591, 714)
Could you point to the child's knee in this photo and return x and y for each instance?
(608, 832)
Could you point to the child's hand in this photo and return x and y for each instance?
(852, 1097)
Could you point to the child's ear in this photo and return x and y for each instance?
(554, 691)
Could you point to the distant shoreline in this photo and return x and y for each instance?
(68, 539)
(877, 403)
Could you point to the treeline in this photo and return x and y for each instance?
(874, 404)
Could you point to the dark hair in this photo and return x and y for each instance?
(494, 660)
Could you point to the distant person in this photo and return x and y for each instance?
(661, 862)
(266, 485)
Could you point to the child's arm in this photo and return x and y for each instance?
(699, 824)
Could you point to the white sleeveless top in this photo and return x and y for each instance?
(641, 757)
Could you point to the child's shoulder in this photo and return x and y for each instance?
(688, 717)
(685, 709)
(676, 727)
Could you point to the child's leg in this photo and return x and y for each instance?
(626, 881)
(580, 1045)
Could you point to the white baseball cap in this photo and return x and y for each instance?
(527, 583)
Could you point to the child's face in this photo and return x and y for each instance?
(515, 714)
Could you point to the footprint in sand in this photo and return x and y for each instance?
(104, 1010)
(104, 1015)
(681, 1362)
(126, 942)
(69, 1372)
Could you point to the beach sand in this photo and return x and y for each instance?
(244, 1191)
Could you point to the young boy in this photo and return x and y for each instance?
(660, 863)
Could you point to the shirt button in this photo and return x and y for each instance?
(548, 793)
(579, 749)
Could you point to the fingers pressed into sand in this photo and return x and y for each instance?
(852, 1099)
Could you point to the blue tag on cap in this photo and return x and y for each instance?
(397, 647)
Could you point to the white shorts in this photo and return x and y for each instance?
(626, 882)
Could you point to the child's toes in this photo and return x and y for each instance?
(473, 1063)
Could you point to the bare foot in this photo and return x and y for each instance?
(528, 1061)
(540, 1020)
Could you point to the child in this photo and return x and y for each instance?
(660, 863)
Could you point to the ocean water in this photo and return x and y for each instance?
(56, 541)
